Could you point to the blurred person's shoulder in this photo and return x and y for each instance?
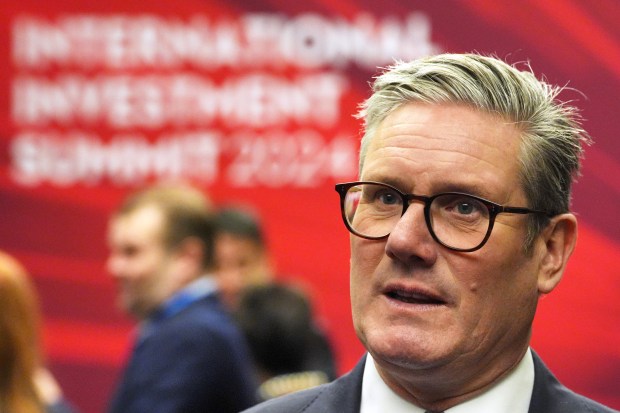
(342, 396)
(204, 320)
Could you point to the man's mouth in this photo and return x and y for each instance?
(414, 297)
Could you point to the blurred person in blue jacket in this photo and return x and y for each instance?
(189, 356)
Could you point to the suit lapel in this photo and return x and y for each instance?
(547, 395)
(343, 395)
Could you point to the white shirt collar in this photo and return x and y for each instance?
(512, 394)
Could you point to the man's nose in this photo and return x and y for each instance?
(410, 240)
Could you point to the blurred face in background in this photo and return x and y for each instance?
(139, 261)
(240, 262)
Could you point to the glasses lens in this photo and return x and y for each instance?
(459, 221)
(372, 210)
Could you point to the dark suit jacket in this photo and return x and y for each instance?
(193, 361)
(344, 394)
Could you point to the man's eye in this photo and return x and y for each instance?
(387, 197)
(465, 208)
(460, 206)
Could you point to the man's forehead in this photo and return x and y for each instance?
(141, 223)
(447, 119)
(234, 244)
(450, 147)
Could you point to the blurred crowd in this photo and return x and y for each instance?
(215, 328)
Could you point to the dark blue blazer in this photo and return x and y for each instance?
(193, 361)
(344, 395)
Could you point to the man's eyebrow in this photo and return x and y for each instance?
(470, 188)
(405, 185)
(396, 182)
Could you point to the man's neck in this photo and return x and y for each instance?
(439, 389)
(512, 393)
(185, 296)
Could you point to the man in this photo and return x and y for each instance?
(289, 350)
(460, 223)
(188, 356)
(241, 256)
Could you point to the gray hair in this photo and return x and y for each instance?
(552, 135)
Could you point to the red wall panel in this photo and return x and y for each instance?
(252, 101)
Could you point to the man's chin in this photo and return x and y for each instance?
(407, 352)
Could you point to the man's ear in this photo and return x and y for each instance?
(559, 238)
(190, 255)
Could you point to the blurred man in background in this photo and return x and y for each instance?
(290, 352)
(241, 254)
(289, 349)
(189, 356)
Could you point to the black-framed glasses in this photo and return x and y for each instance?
(458, 221)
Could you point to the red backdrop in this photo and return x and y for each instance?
(252, 101)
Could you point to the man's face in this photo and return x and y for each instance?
(139, 261)
(418, 306)
(240, 262)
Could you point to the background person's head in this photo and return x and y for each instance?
(160, 239)
(277, 321)
(288, 351)
(241, 256)
(19, 339)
